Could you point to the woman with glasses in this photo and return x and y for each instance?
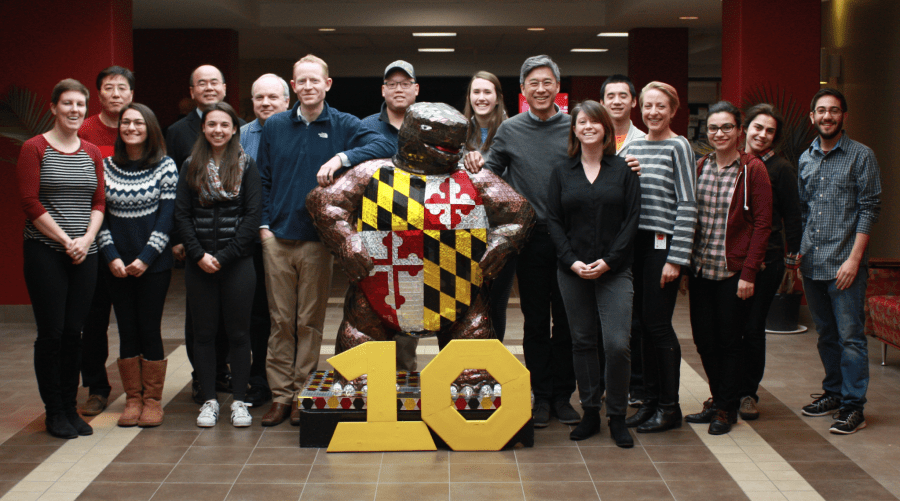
(734, 202)
(134, 241)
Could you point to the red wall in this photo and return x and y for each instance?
(771, 43)
(165, 59)
(45, 41)
(660, 54)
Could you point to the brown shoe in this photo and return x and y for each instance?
(153, 375)
(276, 415)
(295, 413)
(130, 371)
(94, 405)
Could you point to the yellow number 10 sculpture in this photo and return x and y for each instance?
(382, 431)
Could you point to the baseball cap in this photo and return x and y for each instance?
(400, 65)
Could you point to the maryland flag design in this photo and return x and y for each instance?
(426, 235)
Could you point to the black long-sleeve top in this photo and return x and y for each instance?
(591, 221)
(785, 208)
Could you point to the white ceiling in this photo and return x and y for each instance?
(369, 34)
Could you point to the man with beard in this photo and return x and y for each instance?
(840, 191)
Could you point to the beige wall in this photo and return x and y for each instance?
(864, 34)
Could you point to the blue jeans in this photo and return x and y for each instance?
(840, 322)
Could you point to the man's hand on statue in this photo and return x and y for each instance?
(325, 175)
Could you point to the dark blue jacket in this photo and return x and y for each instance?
(291, 153)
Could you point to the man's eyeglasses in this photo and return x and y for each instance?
(403, 85)
(834, 111)
(713, 129)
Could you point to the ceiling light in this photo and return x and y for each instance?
(589, 50)
(823, 83)
(689, 18)
(612, 34)
(434, 34)
(437, 50)
(326, 29)
(535, 29)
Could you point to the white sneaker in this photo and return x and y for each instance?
(209, 414)
(240, 417)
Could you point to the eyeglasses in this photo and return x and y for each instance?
(208, 83)
(834, 111)
(713, 129)
(405, 85)
(128, 123)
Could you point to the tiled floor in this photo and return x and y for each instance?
(781, 456)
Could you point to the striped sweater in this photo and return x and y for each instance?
(68, 186)
(140, 207)
(668, 204)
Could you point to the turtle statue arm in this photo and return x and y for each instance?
(334, 209)
(510, 216)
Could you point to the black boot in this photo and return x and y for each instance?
(667, 416)
(644, 412)
(589, 426)
(81, 427)
(59, 426)
(619, 432)
(705, 415)
(721, 422)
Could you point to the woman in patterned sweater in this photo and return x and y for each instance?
(60, 179)
(134, 241)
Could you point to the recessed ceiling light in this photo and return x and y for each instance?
(823, 83)
(326, 29)
(689, 18)
(434, 34)
(535, 29)
(437, 50)
(589, 50)
(612, 34)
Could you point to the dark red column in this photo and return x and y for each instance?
(772, 44)
(660, 54)
(164, 60)
(44, 42)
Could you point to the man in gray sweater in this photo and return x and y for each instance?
(526, 148)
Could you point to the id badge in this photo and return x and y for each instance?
(660, 241)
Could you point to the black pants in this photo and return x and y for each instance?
(226, 295)
(221, 341)
(718, 319)
(753, 345)
(139, 305)
(61, 295)
(95, 344)
(652, 318)
(498, 296)
(548, 351)
(260, 323)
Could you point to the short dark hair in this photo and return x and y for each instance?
(618, 78)
(596, 112)
(66, 85)
(765, 109)
(828, 91)
(726, 107)
(154, 146)
(115, 70)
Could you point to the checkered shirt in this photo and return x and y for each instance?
(840, 196)
(715, 188)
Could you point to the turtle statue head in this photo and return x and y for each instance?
(430, 139)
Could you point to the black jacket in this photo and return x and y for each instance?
(785, 209)
(181, 136)
(226, 230)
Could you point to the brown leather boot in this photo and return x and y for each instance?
(153, 374)
(130, 371)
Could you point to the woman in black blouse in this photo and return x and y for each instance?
(594, 205)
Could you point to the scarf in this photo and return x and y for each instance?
(212, 191)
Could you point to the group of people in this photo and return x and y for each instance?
(600, 271)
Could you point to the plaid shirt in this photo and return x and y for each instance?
(715, 188)
(840, 196)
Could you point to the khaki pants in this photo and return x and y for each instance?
(298, 281)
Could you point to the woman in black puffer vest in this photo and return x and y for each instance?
(217, 215)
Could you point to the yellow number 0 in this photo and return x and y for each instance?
(382, 431)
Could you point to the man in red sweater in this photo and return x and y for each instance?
(116, 86)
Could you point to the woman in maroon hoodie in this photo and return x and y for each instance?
(734, 203)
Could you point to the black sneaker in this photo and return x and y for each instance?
(823, 405)
(564, 411)
(541, 414)
(258, 395)
(848, 421)
(223, 382)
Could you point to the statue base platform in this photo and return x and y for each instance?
(321, 410)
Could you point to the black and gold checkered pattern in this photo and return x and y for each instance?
(393, 201)
(452, 274)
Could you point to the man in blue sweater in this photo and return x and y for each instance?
(307, 144)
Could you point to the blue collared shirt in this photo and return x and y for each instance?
(250, 135)
(840, 196)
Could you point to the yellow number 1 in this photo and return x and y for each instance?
(381, 431)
